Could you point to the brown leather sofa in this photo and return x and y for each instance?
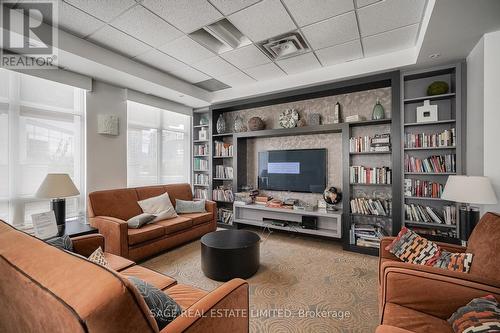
(44, 289)
(109, 210)
(415, 298)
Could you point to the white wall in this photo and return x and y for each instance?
(483, 112)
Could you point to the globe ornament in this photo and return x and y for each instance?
(289, 118)
(332, 196)
(256, 124)
(438, 88)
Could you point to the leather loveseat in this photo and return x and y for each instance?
(109, 210)
(45, 289)
(416, 298)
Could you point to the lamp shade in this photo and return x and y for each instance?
(57, 185)
(469, 189)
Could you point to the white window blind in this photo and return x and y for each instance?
(41, 131)
(158, 146)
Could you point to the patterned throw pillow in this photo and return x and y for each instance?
(63, 243)
(162, 307)
(410, 247)
(457, 262)
(481, 315)
(98, 257)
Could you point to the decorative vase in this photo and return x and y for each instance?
(221, 124)
(378, 111)
(256, 124)
(289, 118)
(204, 120)
(239, 125)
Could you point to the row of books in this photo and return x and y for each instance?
(422, 188)
(222, 171)
(422, 140)
(436, 232)
(200, 193)
(200, 164)
(366, 235)
(378, 143)
(223, 149)
(224, 215)
(200, 149)
(420, 213)
(431, 164)
(367, 206)
(366, 175)
(201, 179)
(223, 194)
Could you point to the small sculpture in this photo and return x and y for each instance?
(239, 124)
(332, 196)
(256, 124)
(221, 124)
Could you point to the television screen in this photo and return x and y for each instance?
(301, 170)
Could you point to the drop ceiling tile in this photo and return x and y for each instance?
(247, 56)
(77, 22)
(146, 26)
(362, 3)
(340, 53)
(105, 10)
(298, 64)
(236, 79)
(309, 11)
(186, 50)
(265, 72)
(337, 30)
(187, 16)
(118, 41)
(389, 14)
(215, 67)
(230, 6)
(390, 41)
(263, 20)
(189, 74)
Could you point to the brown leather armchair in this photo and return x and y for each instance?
(415, 298)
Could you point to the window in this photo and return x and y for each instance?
(158, 146)
(41, 131)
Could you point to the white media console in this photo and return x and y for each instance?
(328, 224)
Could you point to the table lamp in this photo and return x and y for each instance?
(57, 186)
(469, 190)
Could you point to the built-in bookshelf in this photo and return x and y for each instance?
(432, 151)
(201, 163)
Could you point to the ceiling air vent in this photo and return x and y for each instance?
(212, 85)
(220, 37)
(284, 46)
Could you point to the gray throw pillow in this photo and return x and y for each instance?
(162, 307)
(182, 206)
(63, 243)
(140, 220)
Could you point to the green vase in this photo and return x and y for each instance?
(378, 111)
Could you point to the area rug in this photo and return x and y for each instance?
(304, 284)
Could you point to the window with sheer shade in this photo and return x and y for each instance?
(158, 149)
(41, 131)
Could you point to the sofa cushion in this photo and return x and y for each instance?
(412, 320)
(157, 205)
(176, 224)
(198, 218)
(117, 263)
(179, 191)
(147, 232)
(140, 220)
(147, 192)
(121, 203)
(158, 280)
(185, 295)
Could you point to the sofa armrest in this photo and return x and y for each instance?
(391, 329)
(434, 291)
(86, 244)
(226, 309)
(115, 232)
(211, 207)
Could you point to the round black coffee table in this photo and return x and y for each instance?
(229, 254)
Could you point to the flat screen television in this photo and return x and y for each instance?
(301, 170)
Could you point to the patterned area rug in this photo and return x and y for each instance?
(303, 285)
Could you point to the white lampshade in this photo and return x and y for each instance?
(469, 189)
(57, 185)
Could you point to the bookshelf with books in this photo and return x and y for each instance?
(201, 164)
(432, 151)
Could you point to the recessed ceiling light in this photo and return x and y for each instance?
(434, 55)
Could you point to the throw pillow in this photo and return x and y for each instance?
(183, 206)
(410, 247)
(98, 257)
(162, 307)
(140, 220)
(63, 243)
(165, 215)
(458, 262)
(156, 205)
(480, 315)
